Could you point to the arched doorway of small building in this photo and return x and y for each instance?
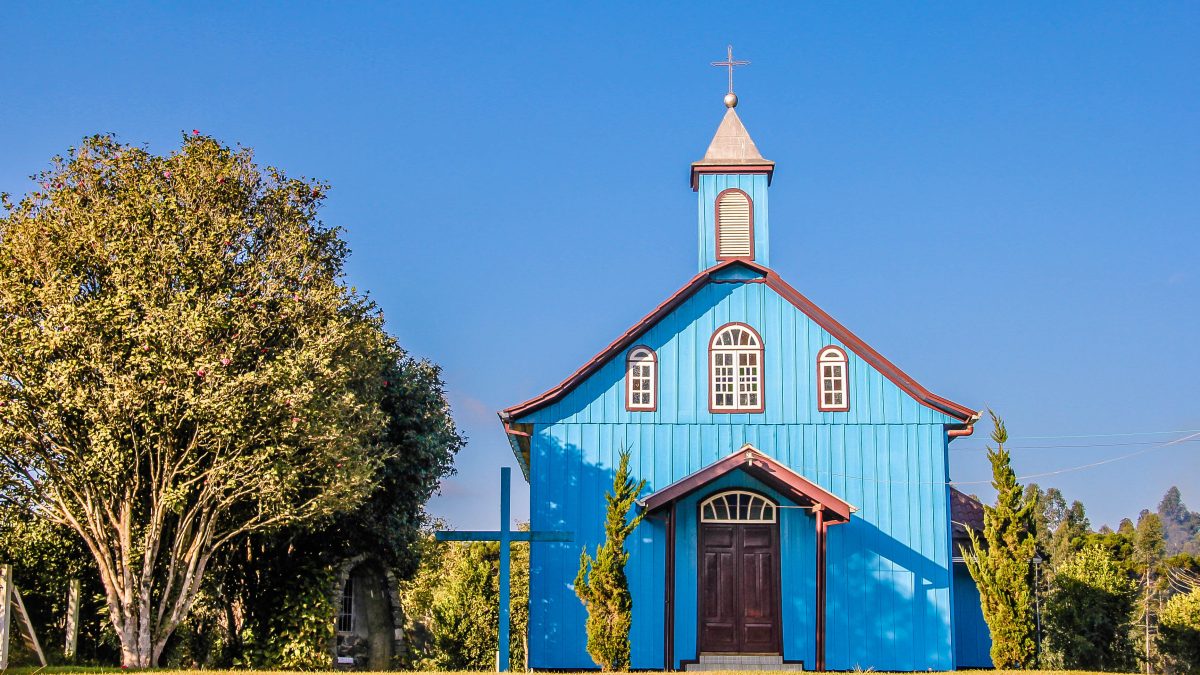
(366, 628)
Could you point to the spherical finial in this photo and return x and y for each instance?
(731, 100)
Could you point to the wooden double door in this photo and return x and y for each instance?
(739, 599)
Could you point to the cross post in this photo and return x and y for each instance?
(505, 591)
(505, 536)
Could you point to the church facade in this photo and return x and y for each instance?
(798, 511)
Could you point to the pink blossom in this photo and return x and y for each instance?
(195, 132)
(200, 372)
(166, 174)
(225, 361)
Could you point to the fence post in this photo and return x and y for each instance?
(72, 620)
(5, 612)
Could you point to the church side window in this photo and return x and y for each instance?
(832, 378)
(641, 380)
(735, 225)
(735, 370)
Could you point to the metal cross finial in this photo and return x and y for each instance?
(730, 64)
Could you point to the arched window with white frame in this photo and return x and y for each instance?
(735, 363)
(737, 506)
(833, 388)
(641, 379)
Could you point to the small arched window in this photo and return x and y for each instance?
(737, 506)
(735, 225)
(832, 380)
(735, 366)
(641, 379)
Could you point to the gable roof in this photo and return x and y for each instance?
(772, 280)
(763, 467)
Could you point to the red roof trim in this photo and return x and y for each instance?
(763, 467)
(852, 342)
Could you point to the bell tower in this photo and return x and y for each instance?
(731, 182)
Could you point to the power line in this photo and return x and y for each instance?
(1128, 433)
(1069, 445)
(1178, 441)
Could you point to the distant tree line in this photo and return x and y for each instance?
(1059, 594)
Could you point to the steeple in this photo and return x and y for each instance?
(731, 183)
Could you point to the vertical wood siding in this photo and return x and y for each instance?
(710, 186)
(889, 594)
(972, 641)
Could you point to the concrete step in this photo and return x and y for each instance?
(762, 662)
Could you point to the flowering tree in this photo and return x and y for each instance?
(180, 364)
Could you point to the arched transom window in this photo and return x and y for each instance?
(735, 225)
(736, 370)
(832, 380)
(737, 506)
(641, 379)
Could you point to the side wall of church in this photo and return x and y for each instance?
(889, 602)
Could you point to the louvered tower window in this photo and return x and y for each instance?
(832, 377)
(735, 225)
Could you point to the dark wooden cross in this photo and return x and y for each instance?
(730, 64)
(505, 536)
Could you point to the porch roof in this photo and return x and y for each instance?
(761, 466)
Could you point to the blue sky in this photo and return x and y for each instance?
(1003, 198)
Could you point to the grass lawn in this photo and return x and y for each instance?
(83, 670)
(52, 670)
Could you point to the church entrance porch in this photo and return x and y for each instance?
(730, 528)
(739, 575)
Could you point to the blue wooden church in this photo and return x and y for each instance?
(798, 512)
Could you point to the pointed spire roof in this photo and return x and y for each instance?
(732, 151)
(732, 144)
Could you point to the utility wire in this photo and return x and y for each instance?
(1178, 441)
(1068, 445)
(1128, 433)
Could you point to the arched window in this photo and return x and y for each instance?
(737, 506)
(735, 225)
(832, 380)
(735, 367)
(641, 379)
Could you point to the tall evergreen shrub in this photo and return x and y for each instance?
(601, 582)
(1001, 565)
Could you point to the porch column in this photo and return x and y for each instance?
(669, 619)
(819, 512)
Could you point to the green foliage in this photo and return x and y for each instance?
(1071, 535)
(1050, 512)
(601, 582)
(1179, 631)
(1000, 564)
(452, 606)
(1090, 611)
(1181, 527)
(180, 364)
(418, 445)
(45, 557)
(297, 634)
